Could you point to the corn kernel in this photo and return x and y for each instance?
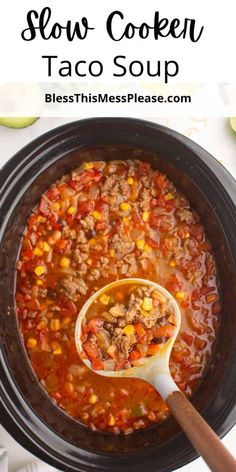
(41, 219)
(111, 421)
(92, 241)
(46, 247)
(89, 261)
(145, 216)
(147, 248)
(31, 343)
(130, 181)
(104, 299)
(39, 282)
(93, 399)
(65, 262)
(88, 165)
(140, 243)
(128, 330)
(57, 351)
(125, 206)
(147, 304)
(37, 252)
(66, 321)
(172, 263)
(41, 325)
(180, 295)
(56, 207)
(55, 324)
(97, 215)
(112, 252)
(169, 196)
(71, 210)
(126, 220)
(39, 270)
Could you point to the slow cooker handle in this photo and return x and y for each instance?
(203, 438)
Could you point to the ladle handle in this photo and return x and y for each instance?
(203, 438)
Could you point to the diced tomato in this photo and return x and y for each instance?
(161, 180)
(97, 176)
(163, 222)
(195, 325)
(164, 331)
(153, 243)
(75, 185)
(170, 205)
(84, 179)
(91, 350)
(32, 221)
(140, 330)
(101, 225)
(200, 344)
(27, 253)
(33, 305)
(95, 324)
(55, 225)
(135, 354)
(154, 221)
(97, 364)
(53, 193)
(179, 356)
(144, 167)
(43, 207)
(174, 283)
(188, 338)
(154, 349)
(85, 206)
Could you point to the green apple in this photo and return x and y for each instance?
(232, 122)
(20, 104)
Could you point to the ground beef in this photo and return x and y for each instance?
(81, 253)
(81, 238)
(73, 287)
(88, 222)
(185, 215)
(122, 245)
(42, 292)
(123, 343)
(144, 200)
(94, 274)
(117, 190)
(68, 233)
(128, 266)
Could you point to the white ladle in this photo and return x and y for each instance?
(155, 370)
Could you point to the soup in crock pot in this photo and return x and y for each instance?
(103, 222)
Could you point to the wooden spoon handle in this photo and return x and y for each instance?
(203, 438)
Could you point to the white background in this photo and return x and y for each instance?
(213, 134)
(211, 59)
